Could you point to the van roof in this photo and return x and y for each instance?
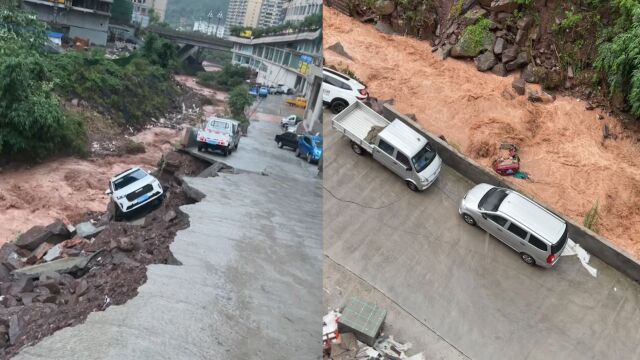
(539, 220)
(222, 119)
(403, 137)
(342, 76)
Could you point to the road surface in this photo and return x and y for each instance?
(248, 286)
(450, 283)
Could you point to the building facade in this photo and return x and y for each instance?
(87, 19)
(271, 13)
(141, 13)
(293, 60)
(209, 28)
(236, 14)
(297, 10)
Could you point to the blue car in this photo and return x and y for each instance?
(310, 148)
(264, 91)
(253, 91)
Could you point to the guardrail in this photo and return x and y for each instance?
(590, 241)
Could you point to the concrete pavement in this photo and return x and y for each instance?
(459, 284)
(248, 286)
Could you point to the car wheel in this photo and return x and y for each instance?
(412, 186)
(468, 219)
(309, 158)
(117, 216)
(357, 148)
(236, 147)
(527, 259)
(338, 106)
(200, 148)
(226, 152)
(280, 144)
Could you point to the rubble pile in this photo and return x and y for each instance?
(53, 276)
(355, 333)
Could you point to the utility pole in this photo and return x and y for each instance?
(209, 19)
(219, 19)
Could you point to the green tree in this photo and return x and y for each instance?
(239, 100)
(160, 52)
(121, 11)
(619, 59)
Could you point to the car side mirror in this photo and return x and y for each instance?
(108, 192)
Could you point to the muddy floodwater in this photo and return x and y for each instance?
(561, 145)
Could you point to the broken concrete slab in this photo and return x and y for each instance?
(54, 253)
(87, 229)
(64, 265)
(38, 253)
(192, 192)
(59, 231)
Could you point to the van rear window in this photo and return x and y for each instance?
(492, 199)
(563, 240)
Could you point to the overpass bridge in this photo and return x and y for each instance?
(191, 41)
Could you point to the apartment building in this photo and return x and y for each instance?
(141, 14)
(297, 10)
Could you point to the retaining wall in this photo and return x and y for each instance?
(593, 243)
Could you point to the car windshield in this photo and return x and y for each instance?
(555, 248)
(128, 179)
(219, 125)
(492, 199)
(423, 158)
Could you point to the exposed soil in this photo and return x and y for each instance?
(561, 144)
(126, 251)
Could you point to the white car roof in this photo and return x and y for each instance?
(125, 173)
(343, 77)
(534, 216)
(212, 118)
(403, 137)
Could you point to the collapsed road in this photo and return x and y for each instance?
(244, 283)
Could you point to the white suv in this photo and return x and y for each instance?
(132, 189)
(340, 91)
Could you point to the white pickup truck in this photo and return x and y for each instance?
(393, 144)
(219, 134)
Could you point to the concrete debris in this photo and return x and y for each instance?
(61, 231)
(170, 215)
(38, 253)
(13, 261)
(54, 253)
(64, 265)
(21, 285)
(87, 229)
(15, 329)
(81, 287)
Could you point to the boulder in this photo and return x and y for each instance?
(13, 262)
(521, 37)
(525, 22)
(474, 14)
(486, 61)
(498, 47)
(500, 69)
(126, 244)
(33, 238)
(519, 86)
(21, 285)
(529, 74)
(503, 17)
(519, 62)
(384, 7)
(503, 6)
(485, 3)
(510, 54)
(60, 231)
(384, 28)
(81, 287)
(339, 49)
(51, 286)
(28, 297)
(534, 96)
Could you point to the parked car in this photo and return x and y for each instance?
(290, 120)
(340, 91)
(283, 89)
(297, 101)
(219, 134)
(393, 144)
(310, 148)
(263, 92)
(253, 91)
(272, 90)
(538, 235)
(288, 139)
(133, 189)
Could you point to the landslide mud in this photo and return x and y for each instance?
(561, 145)
(69, 187)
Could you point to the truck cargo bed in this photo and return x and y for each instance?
(356, 121)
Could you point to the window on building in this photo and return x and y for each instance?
(287, 58)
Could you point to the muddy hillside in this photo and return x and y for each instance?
(570, 165)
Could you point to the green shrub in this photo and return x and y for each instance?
(228, 78)
(456, 8)
(619, 60)
(570, 20)
(524, 2)
(591, 219)
(476, 36)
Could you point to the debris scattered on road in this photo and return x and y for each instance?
(575, 249)
(508, 162)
